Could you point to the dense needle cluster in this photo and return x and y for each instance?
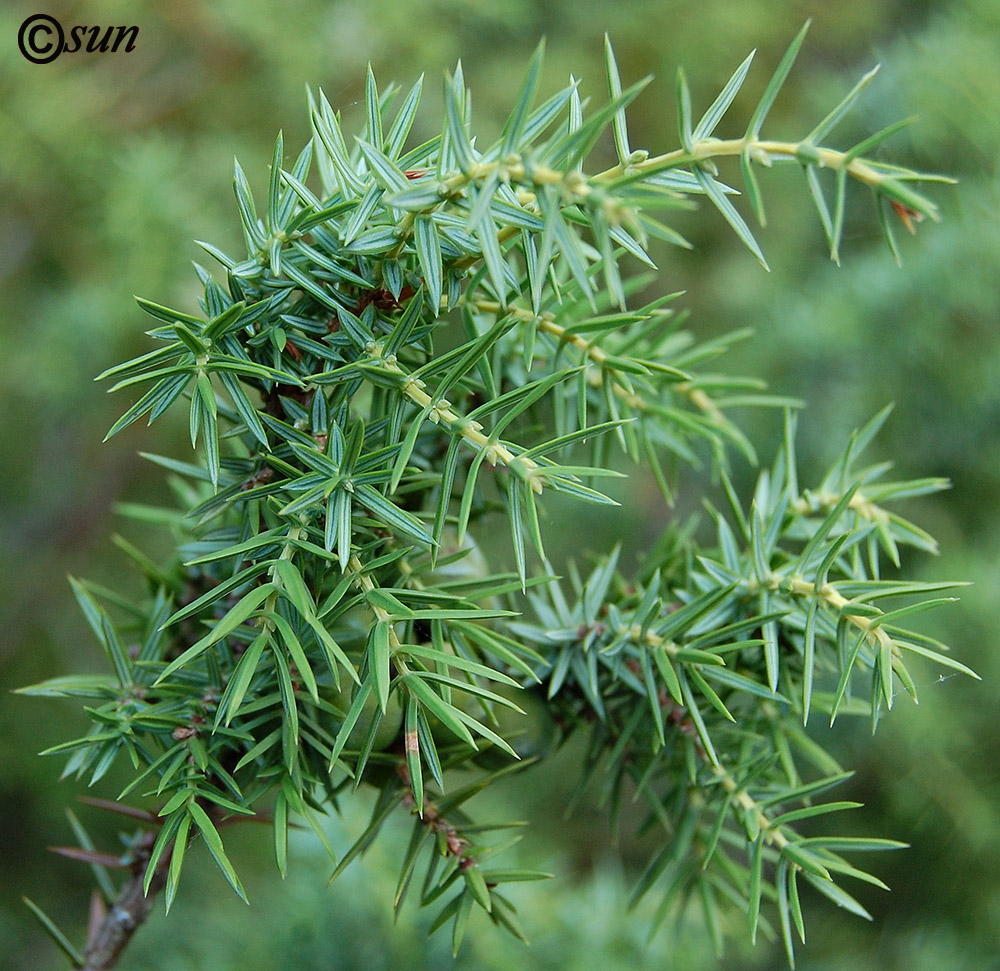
(423, 343)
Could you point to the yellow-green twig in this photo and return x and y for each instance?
(441, 411)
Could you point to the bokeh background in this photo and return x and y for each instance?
(110, 165)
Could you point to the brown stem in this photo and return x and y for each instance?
(436, 823)
(128, 912)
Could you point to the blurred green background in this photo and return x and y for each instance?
(110, 165)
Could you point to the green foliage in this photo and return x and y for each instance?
(421, 342)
